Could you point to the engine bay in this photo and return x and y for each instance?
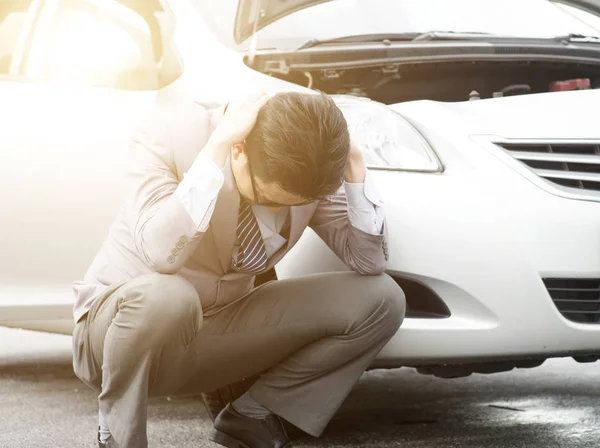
(442, 81)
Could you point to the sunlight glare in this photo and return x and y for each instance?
(91, 51)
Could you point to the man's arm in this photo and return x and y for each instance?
(168, 218)
(352, 223)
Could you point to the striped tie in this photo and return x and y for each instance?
(252, 257)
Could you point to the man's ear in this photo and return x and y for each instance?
(237, 150)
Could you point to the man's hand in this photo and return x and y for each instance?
(356, 170)
(236, 124)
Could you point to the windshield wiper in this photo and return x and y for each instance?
(359, 38)
(429, 36)
(450, 35)
(453, 35)
(577, 39)
(398, 37)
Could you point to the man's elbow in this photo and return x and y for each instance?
(158, 261)
(164, 263)
(165, 268)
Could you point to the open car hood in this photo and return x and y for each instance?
(253, 15)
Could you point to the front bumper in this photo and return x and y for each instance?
(483, 242)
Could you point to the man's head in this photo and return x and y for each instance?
(296, 152)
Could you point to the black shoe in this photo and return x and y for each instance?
(235, 430)
(110, 442)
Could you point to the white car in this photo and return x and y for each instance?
(489, 170)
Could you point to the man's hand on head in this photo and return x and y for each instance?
(236, 124)
(356, 169)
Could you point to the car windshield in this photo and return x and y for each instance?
(330, 20)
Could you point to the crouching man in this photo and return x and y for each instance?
(217, 196)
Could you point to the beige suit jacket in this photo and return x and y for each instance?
(154, 233)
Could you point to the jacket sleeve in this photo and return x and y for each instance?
(164, 232)
(362, 252)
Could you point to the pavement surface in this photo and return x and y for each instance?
(42, 404)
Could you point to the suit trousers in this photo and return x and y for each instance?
(309, 338)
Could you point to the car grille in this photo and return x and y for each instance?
(577, 299)
(574, 165)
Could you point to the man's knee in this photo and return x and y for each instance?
(385, 304)
(394, 304)
(371, 303)
(167, 301)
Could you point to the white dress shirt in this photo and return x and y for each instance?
(199, 189)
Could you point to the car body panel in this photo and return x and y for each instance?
(63, 155)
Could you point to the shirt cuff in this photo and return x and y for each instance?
(199, 188)
(364, 206)
(363, 195)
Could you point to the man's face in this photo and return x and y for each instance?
(256, 191)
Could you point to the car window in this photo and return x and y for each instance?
(13, 19)
(93, 43)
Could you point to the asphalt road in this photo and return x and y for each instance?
(42, 404)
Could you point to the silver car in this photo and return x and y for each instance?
(478, 122)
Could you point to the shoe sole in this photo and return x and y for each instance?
(226, 440)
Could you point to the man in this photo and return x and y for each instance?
(219, 195)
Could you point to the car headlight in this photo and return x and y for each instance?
(387, 140)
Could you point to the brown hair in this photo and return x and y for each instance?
(301, 142)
